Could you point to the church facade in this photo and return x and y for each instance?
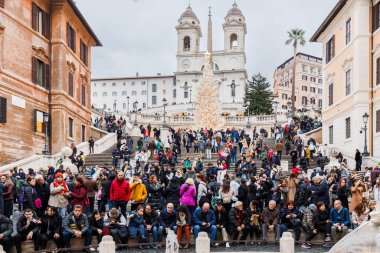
(229, 66)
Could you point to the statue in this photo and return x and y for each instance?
(172, 245)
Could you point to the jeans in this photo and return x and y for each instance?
(277, 232)
(62, 211)
(297, 230)
(334, 231)
(157, 233)
(122, 204)
(67, 235)
(208, 153)
(211, 229)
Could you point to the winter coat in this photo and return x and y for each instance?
(221, 218)
(236, 218)
(151, 219)
(120, 191)
(80, 223)
(271, 217)
(79, 196)
(91, 187)
(134, 224)
(188, 194)
(51, 223)
(138, 192)
(285, 211)
(43, 192)
(30, 194)
(210, 217)
(166, 219)
(172, 194)
(320, 193)
(320, 218)
(56, 199)
(23, 229)
(6, 226)
(154, 195)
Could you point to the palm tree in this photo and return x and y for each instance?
(296, 36)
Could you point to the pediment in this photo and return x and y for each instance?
(71, 66)
(84, 77)
(330, 77)
(40, 53)
(347, 63)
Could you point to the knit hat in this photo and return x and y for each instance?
(295, 171)
(59, 174)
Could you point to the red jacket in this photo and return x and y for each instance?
(79, 196)
(120, 191)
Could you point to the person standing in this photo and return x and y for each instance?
(120, 193)
(279, 149)
(358, 160)
(91, 144)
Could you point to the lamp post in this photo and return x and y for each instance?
(365, 121)
(249, 115)
(289, 104)
(114, 106)
(275, 105)
(190, 96)
(135, 111)
(233, 87)
(164, 102)
(46, 150)
(129, 116)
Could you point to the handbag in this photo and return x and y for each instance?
(38, 203)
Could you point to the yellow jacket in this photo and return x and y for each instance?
(138, 192)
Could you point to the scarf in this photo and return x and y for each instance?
(63, 184)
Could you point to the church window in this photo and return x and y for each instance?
(233, 41)
(186, 43)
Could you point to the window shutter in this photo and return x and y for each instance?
(333, 47)
(68, 34)
(46, 25)
(34, 70)
(47, 76)
(3, 110)
(34, 16)
(83, 95)
(73, 40)
(378, 71)
(377, 121)
(71, 89)
(35, 120)
(2, 3)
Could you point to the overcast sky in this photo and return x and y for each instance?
(140, 36)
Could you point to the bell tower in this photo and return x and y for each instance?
(235, 29)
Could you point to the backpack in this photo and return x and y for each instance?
(199, 167)
(22, 195)
(226, 197)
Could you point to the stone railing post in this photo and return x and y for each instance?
(202, 244)
(1, 249)
(172, 245)
(107, 245)
(287, 243)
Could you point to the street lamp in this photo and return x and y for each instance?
(129, 116)
(233, 87)
(135, 110)
(190, 96)
(46, 121)
(275, 105)
(114, 106)
(365, 121)
(164, 102)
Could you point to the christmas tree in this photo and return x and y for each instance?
(208, 111)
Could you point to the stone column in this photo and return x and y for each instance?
(287, 243)
(202, 244)
(107, 245)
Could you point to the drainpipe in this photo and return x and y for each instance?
(371, 83)
(50, 78)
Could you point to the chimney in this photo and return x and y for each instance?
(158, 74)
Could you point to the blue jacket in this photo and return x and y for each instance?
(340, 217)
(134, 225)
(167, 220)
(197, 217)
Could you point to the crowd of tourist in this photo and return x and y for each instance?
(233, 198)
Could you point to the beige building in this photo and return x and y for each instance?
(45, 67)
(308, 89)
(351, 75)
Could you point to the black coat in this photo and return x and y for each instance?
(151, 219)
(172, 194)
(52, 223)
(221, 218)
(154, 196)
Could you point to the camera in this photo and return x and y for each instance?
(33, 220)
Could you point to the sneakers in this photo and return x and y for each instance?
(328, 239)
(227, 245)
(305, 246)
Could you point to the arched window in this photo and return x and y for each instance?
(233, 41)
(154, 87)
(312, 101)
(186, 43)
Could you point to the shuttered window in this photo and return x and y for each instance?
(83, 133)
(71, 128)
(377, 121)
(3, 110)
(2, 2)
(331, 134)
(40, 73)
(348, 128)
(378, 71)
(330, 49)
(84, 95)
(83, 53)
(71, 37)
(40, 21)
(331, 94)
(71, 84)
(376, 17)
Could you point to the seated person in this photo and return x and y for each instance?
(316, 220)
(96, 223)
(168, 218)
(6, 230)
(151, 222)
(204, 220)
(237, 217)
(75, 225)
(340, 220)
(51, 227)
(291, 218)
(221, 218)
(28, 228)
(271, 218)
(252, 221)
(183, 225)
(117, 225)
(137, 226)
(359, 215)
